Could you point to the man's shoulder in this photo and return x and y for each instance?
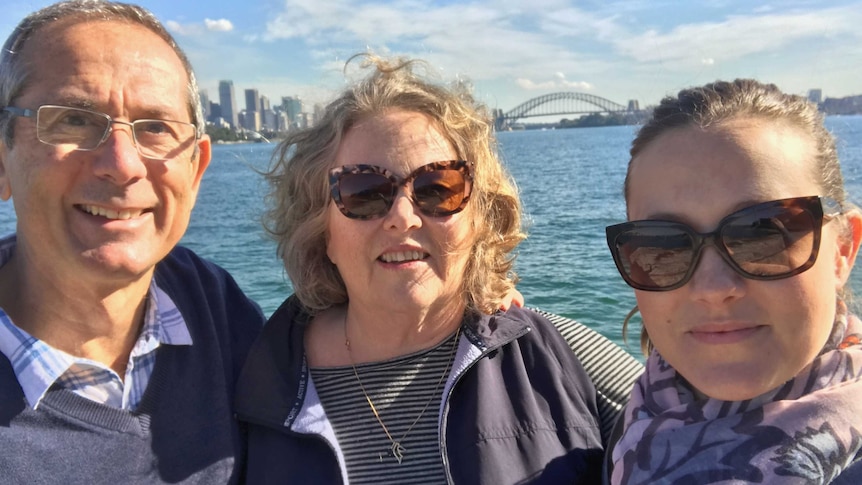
(190, 279)
(183, 258)
(12, 400)
(183, 267)
(209, 300)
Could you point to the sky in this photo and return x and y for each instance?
(515, 50)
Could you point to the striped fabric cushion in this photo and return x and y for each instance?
(612, 369)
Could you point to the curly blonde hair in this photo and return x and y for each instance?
(298, 200)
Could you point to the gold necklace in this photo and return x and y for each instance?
(397, 450)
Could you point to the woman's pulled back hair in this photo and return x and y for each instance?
(721, 101)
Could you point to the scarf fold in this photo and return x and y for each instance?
(805, 431)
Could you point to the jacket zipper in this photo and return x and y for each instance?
(445, 417)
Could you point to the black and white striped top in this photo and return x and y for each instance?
(399, 388)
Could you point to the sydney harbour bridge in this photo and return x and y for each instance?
(563, 103)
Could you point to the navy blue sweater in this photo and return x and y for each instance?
(184, 428)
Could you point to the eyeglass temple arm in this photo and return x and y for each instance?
(27, 113)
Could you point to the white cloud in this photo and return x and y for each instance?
(196, 29)
(220, 25)
(532, 86)
(183, 29)
(579, 85)
(572, 22)
(301, 18)
(629, 47)
(565, 83)
(739, 36)
(482, 39)
(559, 83)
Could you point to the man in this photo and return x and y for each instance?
(118, 351)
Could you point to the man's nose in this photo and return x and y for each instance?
(118, 157)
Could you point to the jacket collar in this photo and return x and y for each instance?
(271, 386)
(275, 380)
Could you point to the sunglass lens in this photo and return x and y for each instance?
(366, 194)
(655, 257)
(439, 192)
(771, 242)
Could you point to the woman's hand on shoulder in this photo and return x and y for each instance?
(513, 297)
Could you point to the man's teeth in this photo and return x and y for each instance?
(108, 213)
(402, 256)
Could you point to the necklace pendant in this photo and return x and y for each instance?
(397, 451)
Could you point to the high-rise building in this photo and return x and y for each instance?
(252, 100)
(318, 113)
(815, 95)
(250, 120)
(268, 120)
(205, 104)
(293, 107)
(267, 115)
(227, 100)
(282, 123)
(304, 120)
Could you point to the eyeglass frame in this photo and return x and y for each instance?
(825, 211)
(34, 114)
(463, 167)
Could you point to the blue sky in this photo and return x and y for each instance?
(514, 50)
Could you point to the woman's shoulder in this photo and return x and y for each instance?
(852, 475)
(527, 335)
(610, 367)
(524, 321)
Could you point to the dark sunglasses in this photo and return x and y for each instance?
(767, 241)
(367, 191)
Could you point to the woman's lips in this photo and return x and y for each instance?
(729, 334)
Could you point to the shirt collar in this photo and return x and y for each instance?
(37, 365)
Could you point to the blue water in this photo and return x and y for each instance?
(570, 182)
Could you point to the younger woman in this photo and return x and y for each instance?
(739, 245)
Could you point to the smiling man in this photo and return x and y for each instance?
(118, 350)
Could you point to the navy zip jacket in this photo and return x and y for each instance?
(517, 407)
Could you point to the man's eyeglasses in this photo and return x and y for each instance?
(767, 241)
(82, 129)
(367, 191)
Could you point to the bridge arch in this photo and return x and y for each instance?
(561, 103)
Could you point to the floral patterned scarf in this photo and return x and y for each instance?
(804, 432)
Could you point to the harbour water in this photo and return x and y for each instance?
(571, 185)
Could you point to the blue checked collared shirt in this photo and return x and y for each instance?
(39, 366)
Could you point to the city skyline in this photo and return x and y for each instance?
(618, 50)
(255, 113)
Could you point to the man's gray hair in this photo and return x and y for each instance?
(14, 73)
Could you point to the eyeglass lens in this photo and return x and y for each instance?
(437, 191)
(767, 241)
(81, 129)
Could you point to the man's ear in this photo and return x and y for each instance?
(5, 185)
(204, 155)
